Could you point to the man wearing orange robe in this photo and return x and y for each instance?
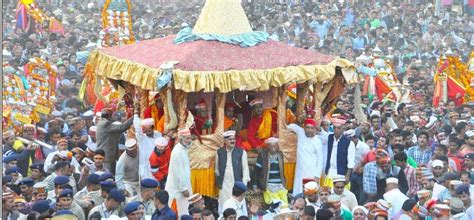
(230, 121)
(262, 125)
(160, 159)
(202, 120)
(156, 112)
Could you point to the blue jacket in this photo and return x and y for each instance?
(164, 214)
(342, 151)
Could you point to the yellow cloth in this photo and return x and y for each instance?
(265, 129)
(290, 117)
(328, 182)
(159, 122)
(222, 17)
(289, 174)
(280, 195)
(203, 182)
(27, 2)
(208, 81)
(228, 122)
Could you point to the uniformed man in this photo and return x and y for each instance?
(132, 210)
(59, 182)
(66, 202)
(90, 194)
(26, 186)
(110, 205)
(147, 194)
(37, 172)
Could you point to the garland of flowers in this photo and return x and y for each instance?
(116, 19)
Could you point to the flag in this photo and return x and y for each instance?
(21, 17)
(455, 88)
(382, 88)
(55, 26)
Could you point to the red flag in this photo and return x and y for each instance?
(382, 88)
(55, 26)
(455, 88)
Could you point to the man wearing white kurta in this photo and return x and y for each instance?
(178, 184)
(226, 158)
(309, 154)
(145, 134)
(394, 196)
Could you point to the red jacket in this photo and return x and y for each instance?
(161, 162)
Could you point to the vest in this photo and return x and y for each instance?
(342, 151)
(236, 164)
(130, 165)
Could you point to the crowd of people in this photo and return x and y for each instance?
(407, 161)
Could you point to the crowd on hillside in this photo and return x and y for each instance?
(407, 161)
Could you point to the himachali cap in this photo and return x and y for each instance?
(392, 180)
(201, 105)
(131, 207)
(427, 175)
(349, 133)
(19, 199)
(88, 114)
(423, 193)
(333, 198)
(195, 198)
(452, 114)
(256, 101)
(310, 188)
(93, 129)
(384, 205)
(339, 178)
(39, 187)
(470, 133)
(362, 208)
(325, 189)
(338, 121)
(161, 142)
(149, 183)
(42, 130)
(147, 122)
(131, 144)
(272, 140)
(437, 163)
(184, 132)
(229, 133)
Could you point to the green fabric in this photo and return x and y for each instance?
(346, 214)
(374, 24)
(412, 162)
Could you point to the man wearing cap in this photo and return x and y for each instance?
(462, 191)
(160, 160)
(52, 158)
(394, 196)
(23, 154)
(26, 186)
(438, 168)
(237, 201)
(91, 139)
(361, 149)
(348, 199)
(78, 129)
(145, 135)
(231, 165)
(110, 206)
(15, 173)
(334, 202)
(39, 191)
(230, 121)
(269, 172)
(10, 161)
(8, 206)
(178, 183)
(310, 193)
(309, 153)
(90, 194)
(468, 147)
(126, 172)
(201, 119)
(148, 188)
(132, 211)
(66, 202)
(108, 136)
(88, 117)
(376, 173)
(340, 154)
(262, 124)
(37, 172)
(8, 140)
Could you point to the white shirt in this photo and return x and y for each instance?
(179, 173)
(239, 207)
(350, 157)
(146, 145)
(396, 198)
(361, 149)
(309, 158)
